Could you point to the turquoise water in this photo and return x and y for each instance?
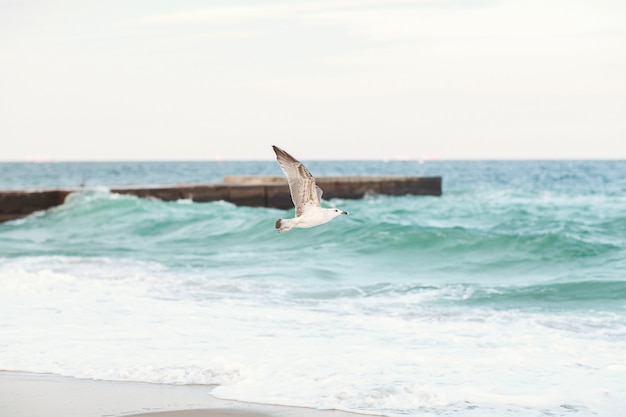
(505, 296)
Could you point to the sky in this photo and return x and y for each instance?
(343, 79)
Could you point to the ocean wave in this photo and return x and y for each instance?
(405, 236)
(505, 296)
(301, 341)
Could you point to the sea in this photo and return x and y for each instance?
(505, 296)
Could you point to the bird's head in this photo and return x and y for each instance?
(337, 212)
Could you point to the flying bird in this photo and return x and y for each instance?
(305, 194)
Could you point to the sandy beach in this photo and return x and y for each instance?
(44, 395)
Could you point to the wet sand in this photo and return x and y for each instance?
(43, 395)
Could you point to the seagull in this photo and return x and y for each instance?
(305, 194)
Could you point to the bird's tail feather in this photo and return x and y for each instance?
(284, 225)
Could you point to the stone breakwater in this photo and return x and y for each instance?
(246, 191)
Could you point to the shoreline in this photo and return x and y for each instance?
(25, 394)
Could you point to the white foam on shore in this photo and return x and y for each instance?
(134, 321)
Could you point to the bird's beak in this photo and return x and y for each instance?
(344, 212)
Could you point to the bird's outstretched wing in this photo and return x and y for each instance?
(304, 192)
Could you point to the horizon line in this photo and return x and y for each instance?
(395, 159)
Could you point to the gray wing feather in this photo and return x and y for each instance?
(304, 192)
(319, 194)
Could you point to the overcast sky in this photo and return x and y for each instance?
(345, 79)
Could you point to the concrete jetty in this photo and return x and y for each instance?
(245, 191)
(15, 204)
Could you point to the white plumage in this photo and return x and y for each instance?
(305, 194)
